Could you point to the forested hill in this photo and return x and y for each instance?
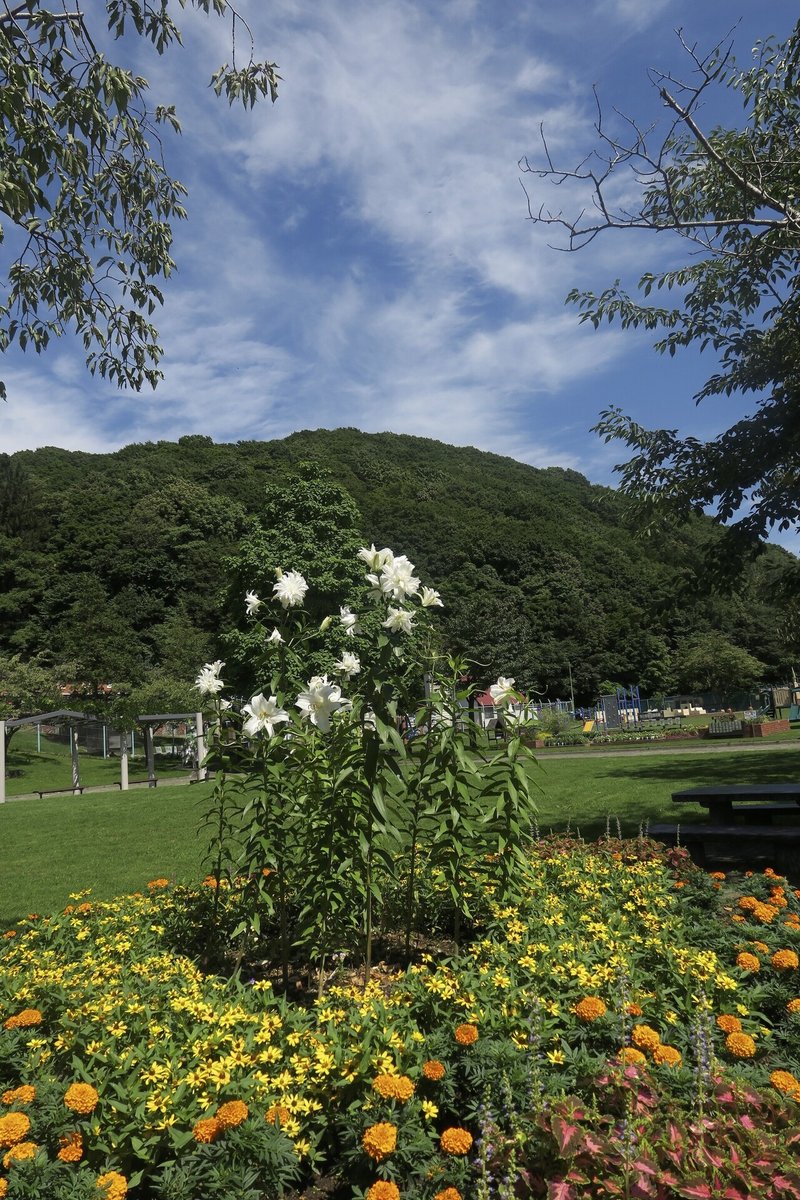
(116, 565)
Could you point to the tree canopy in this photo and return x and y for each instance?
(732, 194)
(86, 201)
(116, 566)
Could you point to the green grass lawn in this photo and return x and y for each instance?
(115, 842)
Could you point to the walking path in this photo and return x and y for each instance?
(695, 748)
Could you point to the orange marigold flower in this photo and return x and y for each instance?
(765, 913)
(19, 1153)
(383, 1190)
(633, 1010)
(81, 1098)
(456, 1140)
(740, 1045)
(737, 917)
(24, 1019)
(71, 1148)
(748, 903)
(667, 1056)
(779, 900)
(784, 1081)
(728, 1023)
(748, 962)
(716, 874)
(9, 934)
(761, 947)
(3, 1188)
(84, 908)
(24, 1094)
(232, 1114)
(590, 1008)
(393, 1087)
(785, 960)
(277, 1114)
(794, 1005)
(449, 1193)
(209, 881)
(14, 1127)
(155, 884)
(466, 1035)
(433, 1069)
(206, 1130)
(380, 1140)
(113, 1185)
(629, 1054)
(644, 1037)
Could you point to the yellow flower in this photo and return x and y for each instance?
(232, 1114)
(383, 1190)
(71, 1147)
(784, 1081)
(19, 1153)
(644, 1037)
(393, 1087)
(380, 1140)
(747, 962)
(793, 1006)
(667, 1056)
(25, 1094)
(24, 1019)
(590, 1008)
(81, 1098)
(466, 1035)
(206, 1130)
(728, 1023)
(113, 1185)
(555, 1056)
(3, 1184)
(13, 1128)
(740, 1045)
(456, 1140)
(433, 1069)
(430, 1110)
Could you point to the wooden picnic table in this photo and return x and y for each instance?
(753, 802)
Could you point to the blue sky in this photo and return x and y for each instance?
(359, 254)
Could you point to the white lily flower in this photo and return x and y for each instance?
(349, 664)
(263, 715)
(398, 579)
(252, 603)
(276, 637)
(208, 681)
(349, 620)
(322, 699)
(375, 559)
(375, 585)
(399, 620)
(430, 597)
(290, 589)
(503, 692)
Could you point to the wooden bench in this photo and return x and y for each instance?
(747, 823)
(70, 791)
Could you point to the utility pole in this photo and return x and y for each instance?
(571, 692)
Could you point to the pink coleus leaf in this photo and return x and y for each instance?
(569, 1137)
(695, 1191)
(559, 1189)
(747, 1122)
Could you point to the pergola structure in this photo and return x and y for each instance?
(65, 716)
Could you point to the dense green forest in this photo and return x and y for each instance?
(131, 567)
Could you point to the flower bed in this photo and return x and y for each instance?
(580, 1040)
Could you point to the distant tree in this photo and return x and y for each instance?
(84, 186)
(27, 688)
(708, 662)
(733, 194)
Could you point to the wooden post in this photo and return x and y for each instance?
(202, 772)
(2, 762)
(76, 767)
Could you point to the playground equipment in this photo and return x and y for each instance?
(621, 708)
